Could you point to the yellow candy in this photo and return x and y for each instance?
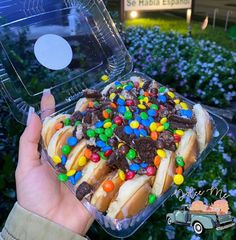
(171, 94)
(71, 172)
(177, 145)
(160, 129)
(134, 124)
(163, 120)
(179, 132)
(107, 124)
(120, 144)
(177, 101)
(56, 159)
(178, 179)
(112, 96)
(121, 175)
(122, 97)
(184, 105)
(141, 106)
(105, 78)
(161, 153)
(145, 99)
(141, 84)
(82, 161)
(153, 127)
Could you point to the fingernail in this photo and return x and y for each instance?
(31, 111)
(46, 91)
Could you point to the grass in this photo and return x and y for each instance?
(167, 23)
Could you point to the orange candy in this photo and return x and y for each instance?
(157, 161)
(105, 114)
(179, 170)
(88, 153)
(108, 186)
(146, 94)
(58, 126)
(90, 105)
(159, 124)
(154, 136)
(113, 105)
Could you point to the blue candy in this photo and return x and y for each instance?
(77, 176)
(100, 144)
(143, 165)
(151, 119)
(136, 111)
(84, 112)
(162, 98)
(128, 130)
(136, 132)
(104, 149)
(129, 87)
(186, 113)
(138, 118)
(146, 122)
(134, 167)
(72, 180)
(117, 83)
(122, 110)
(143, 132)
(151, 112)
(63, 159)
(72, 141)
(121, 102)
(99, 124)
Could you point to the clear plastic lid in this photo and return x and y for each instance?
(62, 45)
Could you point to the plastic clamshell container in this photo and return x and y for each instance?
(79, 43)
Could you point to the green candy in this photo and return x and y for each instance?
(107, 120)
(144, 115)
(62, 177)
(77, 123)
(154, 106)
(162, 89)
(67, 122)
(180, 161)
(108, 110)
(131, 154)
(141, 97)
(103, 137)
(91, 133)
(109, 132)
(128, 115)
(166, 125)
(113, 126)
(102, 155)
(96, 103)
(66, 149)
(151, 198)
(99, 130)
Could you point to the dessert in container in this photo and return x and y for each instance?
(80, 44)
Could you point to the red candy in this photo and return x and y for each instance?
(151, 171)
(129, 175)
(129, 102)
(118, 120)
(108, 153)
(95, 157)
(177, 138)
(136, 84)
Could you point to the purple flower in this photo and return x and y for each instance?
(232, 192)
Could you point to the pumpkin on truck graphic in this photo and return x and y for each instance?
(201, 216)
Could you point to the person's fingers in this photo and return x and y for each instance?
(47, 104)
(28, 149)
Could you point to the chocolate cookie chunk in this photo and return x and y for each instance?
(146, 149)
(178, 122)
(117, 161)
(119, 132)
(60, 168)
(83, 189)
(76, 116)
(88, 117)
(90, 93)
(168, 140)
(146, 85)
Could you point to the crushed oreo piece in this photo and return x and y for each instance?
(146, 85)
(84, 131)
(76, 116)
(168, 140)
(119, 132)
(91, 93)
(113, 142)
(178, 122)
(60, 168)
(146, 149)
(83, 189)
(117, 161)
(88, 117)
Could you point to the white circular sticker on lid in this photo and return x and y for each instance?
(53, 52)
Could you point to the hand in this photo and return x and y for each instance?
(38, 189)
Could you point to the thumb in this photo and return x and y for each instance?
(28, 151)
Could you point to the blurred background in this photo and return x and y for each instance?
(191, 51)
